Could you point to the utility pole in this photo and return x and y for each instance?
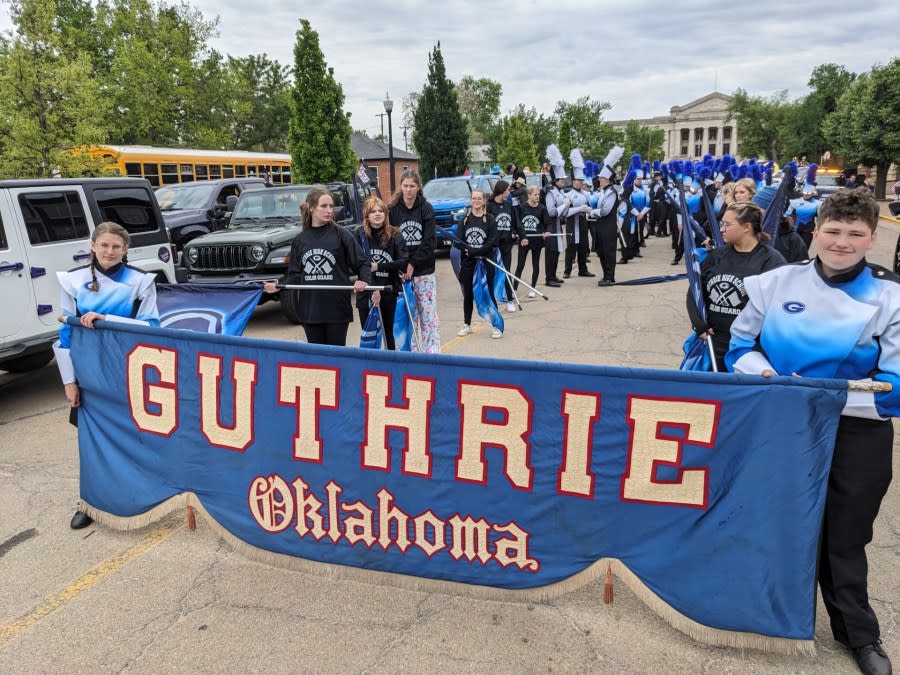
(405, 145)
(382, 116)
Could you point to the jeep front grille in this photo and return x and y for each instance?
(223, 259)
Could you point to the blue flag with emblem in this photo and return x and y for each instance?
(405, 318)
(499, 284)
(372, 335)
(696, 349)
(487, 310)
(220, 309)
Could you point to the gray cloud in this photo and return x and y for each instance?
(642, 56)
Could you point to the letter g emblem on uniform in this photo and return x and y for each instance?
(793, 307)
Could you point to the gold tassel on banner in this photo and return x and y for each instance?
(608, 586)
(191, 518)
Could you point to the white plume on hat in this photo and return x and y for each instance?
(612, 158)
(556, 161)
(577, 164)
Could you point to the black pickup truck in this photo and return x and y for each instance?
(256, 243)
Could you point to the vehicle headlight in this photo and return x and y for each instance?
(458, 215)
(193, 255)
(257, 252)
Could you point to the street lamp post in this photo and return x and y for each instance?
(388, 108)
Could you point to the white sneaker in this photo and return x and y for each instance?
(532, 294)
(510, 307)
(465, 330)
(497, 333)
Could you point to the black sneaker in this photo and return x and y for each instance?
(80, 520)
(606, 282)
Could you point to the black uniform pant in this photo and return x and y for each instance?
(658, 218)
(388, 307)
(534, 248)
(608, 239)
(467, 281)
(577, 251)
(806, 237)
(505, 245)
(551, 257)
(859, 477)
(326, 333)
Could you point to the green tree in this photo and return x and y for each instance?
(803, 134)
(581, 125)
(517, 144)
(319, 134)
(479, 104)
(257, 94)
(410, 103)
(50, 101)
(865, 127)
(440, 130)
(157, 62)
(543, 130)
(760, 123)
(645, 141)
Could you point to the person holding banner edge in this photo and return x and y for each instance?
(107, 289)
(837, 316)
(324, 253)
(388, 257)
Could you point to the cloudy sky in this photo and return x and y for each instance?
(641, 56)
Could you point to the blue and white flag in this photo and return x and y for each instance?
(207, 308)
(372, 335)
(499, 280)
(405, 318)
(487, 310)
(776, 207)
(696, 350)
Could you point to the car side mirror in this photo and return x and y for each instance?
(230, 202)
(339, 214)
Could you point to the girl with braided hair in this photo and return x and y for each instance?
(106, 289)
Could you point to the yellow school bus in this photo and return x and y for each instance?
(163, 166)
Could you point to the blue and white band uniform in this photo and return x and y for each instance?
(840, 327)
(125, 294)
(805, 211)
(640, 204)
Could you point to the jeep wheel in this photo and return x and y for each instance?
(290, 305)
(24, 364)
(897, 257)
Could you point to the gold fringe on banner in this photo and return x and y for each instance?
(600, 568)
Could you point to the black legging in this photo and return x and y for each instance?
(388, 307)
(326, 333)
(534, 247)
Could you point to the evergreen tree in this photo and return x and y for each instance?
(319, 133)
(517, 144)
(440, 135)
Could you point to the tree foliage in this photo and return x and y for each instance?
(760, 123)
(50, 100)
(410, 103)
(440, 130)
(581, 125)
(803, 135)
(319, 133)
(517, 143)
(865, 127)
(646, 141)
(479, 104)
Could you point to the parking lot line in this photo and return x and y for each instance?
(92, 577)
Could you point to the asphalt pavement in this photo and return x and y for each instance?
(166, 599)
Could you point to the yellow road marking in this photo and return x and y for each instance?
(90, 579)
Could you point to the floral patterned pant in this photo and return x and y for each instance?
(425, 289)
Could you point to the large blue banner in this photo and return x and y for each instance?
(708, 488)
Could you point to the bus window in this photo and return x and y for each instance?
(215, 171)
(187, 172)
(133, 169)
(151, 173)
(240, 170)
(169, 173)
(201, 171)
(227, 171)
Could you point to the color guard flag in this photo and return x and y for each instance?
(405, 318)
(208, 308)
(363, 174)
(486, 308)
(372, 335)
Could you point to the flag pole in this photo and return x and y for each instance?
(412, 319)
(323, 287)
(712, 353)
(513, 276)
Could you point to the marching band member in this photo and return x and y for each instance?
(555, 203)
(576, 219)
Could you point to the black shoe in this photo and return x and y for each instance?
(80, 520)
(566, 275)
(585, 273)
(638, 255)
(606, 282)
(623, 261)
(643, 243)
(872, 659)
(553, 284)
(676, 261)
(557, 280)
